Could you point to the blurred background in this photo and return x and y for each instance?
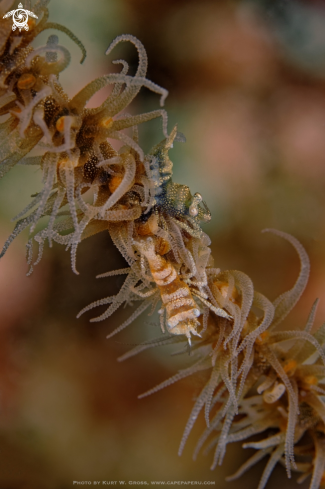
(246, 83)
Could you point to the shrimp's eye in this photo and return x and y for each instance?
(193, 211)
(194, 207)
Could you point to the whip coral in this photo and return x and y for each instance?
(262, 381)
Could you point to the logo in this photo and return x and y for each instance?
(20, 18)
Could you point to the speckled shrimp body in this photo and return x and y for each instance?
(174, 199)
(182, 310)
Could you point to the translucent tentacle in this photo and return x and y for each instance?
(212, 384)
(130, 280)
(128, 178)
(50, 170)
(319, 463)
(248, 464)
(130, 320)
(129, 94)
(150, 344)
(286, 301)
(32, 204)
(134, 120)
(193, 417)
(223, 439)
(182, 374)
(54, 66)
(59, 27)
